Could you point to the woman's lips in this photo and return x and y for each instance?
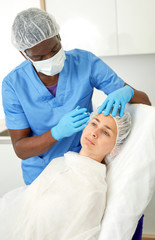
(89, 141)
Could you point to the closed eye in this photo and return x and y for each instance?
(55, 48)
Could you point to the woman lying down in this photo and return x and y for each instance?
(67, 201)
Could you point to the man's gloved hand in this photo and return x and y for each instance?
(117, 98)
(70, 123)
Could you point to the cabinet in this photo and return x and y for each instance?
(88, 24)
(136, 26)
(106, 28)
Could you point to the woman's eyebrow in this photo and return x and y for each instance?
(97, 119)
(106, 126)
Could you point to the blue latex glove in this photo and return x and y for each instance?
(70, 123)
(118, 98)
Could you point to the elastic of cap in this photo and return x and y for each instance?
(117, 131)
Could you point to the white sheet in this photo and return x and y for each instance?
(66, 202)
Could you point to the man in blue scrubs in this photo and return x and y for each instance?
(46, 98)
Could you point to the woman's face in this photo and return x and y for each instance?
(99, 137)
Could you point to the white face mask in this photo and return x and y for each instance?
(51, 66)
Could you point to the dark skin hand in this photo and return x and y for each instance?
(24, 144)
(139, 97)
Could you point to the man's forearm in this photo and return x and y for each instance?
(26, 147)
(139, 97)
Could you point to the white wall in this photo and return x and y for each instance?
(136, 70)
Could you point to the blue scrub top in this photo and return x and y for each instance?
(28, 103)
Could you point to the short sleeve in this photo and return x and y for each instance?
(14, 115)
(103, 77)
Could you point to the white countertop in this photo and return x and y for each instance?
(4, 139)
(2, 125)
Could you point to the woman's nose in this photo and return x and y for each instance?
(94, 134)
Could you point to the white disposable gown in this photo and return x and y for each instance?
(66, 202)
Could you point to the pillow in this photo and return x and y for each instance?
(131, 177)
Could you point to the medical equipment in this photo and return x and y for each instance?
(31, 27)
